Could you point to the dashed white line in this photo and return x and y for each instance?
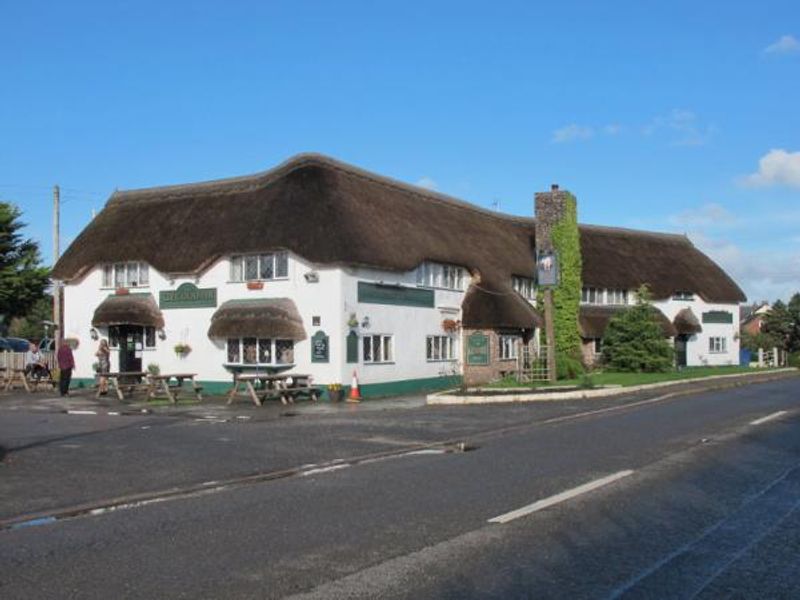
(775, 415)
(323, 470)
(563, 496)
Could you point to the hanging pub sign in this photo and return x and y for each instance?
(547, 268)
(320, 348)
(478, 349)
(188, 295)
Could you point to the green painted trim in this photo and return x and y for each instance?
(396, 295)
(188, 295)
(718, 316)
(407, 386)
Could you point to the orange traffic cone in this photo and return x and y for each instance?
(355, 395)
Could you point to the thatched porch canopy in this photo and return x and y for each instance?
(687, 323)
(128, 309)
(593, 320)
(258, 317)
(498, 307)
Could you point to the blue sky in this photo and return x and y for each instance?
(672, 116)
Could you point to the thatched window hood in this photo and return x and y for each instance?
(128, 309)
(332, 213)
(258, 317)
(495, 307)
(687, 323)
(593, 320)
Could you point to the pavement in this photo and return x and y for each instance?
(372, 501)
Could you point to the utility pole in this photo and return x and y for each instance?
(57, 317)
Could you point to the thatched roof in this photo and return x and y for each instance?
(593, 320)
(332, 213)
(258, 317)
(128, 309)
(686, 322)
(484, 307)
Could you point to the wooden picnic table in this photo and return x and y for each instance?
(128, 387)
(286, 386)
(172, 390)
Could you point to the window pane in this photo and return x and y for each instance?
(264, 351)
(387, 348)
(429, 348)
(267, 262)
(133, 274)
(284, 352)
(144, 274)
(367, 349)
(149, 337)
(107, 275)
(250, 268)
(119, 275)
(236, 268)
(282, 264)
(249, 351)
(113, 336)
(233, 350)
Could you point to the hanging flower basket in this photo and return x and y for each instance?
(122, 291)
(255, 285)
(182, 349)
(451, 325)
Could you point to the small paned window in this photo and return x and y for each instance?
(378, 348)
(234, 356)
(149, 337)
(683, 296)
(717, 345)
(525, 286)
(439, 275)
(508, 346)
(126, 275)
(439, 347)
(597, 344)
(259, 267)
(260, 351)
(284, 352)
(264, 350)
(249, 351)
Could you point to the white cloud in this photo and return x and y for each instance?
(786, 44)
(571, 133)
(683, 125)
(776, 167)
(612, 129)
(711, 214)
(427, 183)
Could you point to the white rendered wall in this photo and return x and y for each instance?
(190, 326)
(697, 352)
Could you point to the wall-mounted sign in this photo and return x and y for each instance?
(478, 349)
(188, 295)
(320, 348)
(547, 268)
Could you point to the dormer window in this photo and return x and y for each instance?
(610, 296)
(126, 275)
(525, 286)
(260, 267)
(437, 275)
(683, 296)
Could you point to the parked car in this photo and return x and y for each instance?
(14, 344)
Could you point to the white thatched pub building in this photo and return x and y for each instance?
(319, 267)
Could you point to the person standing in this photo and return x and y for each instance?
(66, 362)
(103, 366)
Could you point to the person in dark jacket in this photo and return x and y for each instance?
(66, 362)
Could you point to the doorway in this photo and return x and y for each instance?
(131, 344)
(680, 350)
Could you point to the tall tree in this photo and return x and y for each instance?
(778, 324)
(634, 340)
(22, 278)
(793, 341)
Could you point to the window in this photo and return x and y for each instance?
(525, 286)
(438, 275)
(378, 348)
(259, 267)
(597, 345)
(260, 351)
(590, 295)
(124, 275)
(616, 297)
(439, 347)
(508, 347)
(148, 334)
(684, 296)
(717, 345)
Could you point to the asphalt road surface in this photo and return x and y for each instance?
(659, 497)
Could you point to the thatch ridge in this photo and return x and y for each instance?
(331, 213)
(593, 320)
(258, 317)
(128, 309)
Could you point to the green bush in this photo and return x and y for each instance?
(568, 367)
(794, 360)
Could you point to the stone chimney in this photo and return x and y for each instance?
(548, 210)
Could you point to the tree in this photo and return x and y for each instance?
(22, 279)
(793, 341)
(634, 340)
(778, 324)
(31, 326)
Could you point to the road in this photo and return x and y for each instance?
(702, 501)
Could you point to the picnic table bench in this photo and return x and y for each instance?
(284, 386)
(164, 382)
(127, 382)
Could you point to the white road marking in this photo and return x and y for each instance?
(775, 415)
(563, 496)
(81, 412)
(323, 470)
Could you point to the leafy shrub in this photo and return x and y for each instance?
(794, 360)
(568, 367)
